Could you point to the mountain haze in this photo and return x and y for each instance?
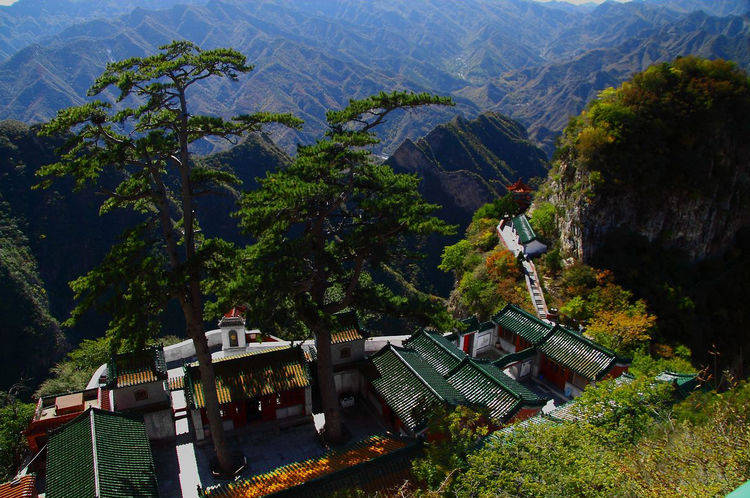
(537, 62)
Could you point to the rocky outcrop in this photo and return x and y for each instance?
(699, 219)
(664, 158)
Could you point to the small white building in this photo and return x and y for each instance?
(526, 237)
(138, 383)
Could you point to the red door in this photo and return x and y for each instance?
(468, 343)
(554, 373)
(268, 407)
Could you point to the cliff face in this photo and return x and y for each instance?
(467, 163)
(696, 222)
(652, 182)
(664, 157)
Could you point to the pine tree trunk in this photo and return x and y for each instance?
(208, 382)
(327, 388)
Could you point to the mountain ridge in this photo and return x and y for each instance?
(314, 55)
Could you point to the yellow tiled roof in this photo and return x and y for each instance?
(251, 384)
(251, 352)
(297, 473)
(254, 374)
(345, 336)
(134, 378)
(137, 367)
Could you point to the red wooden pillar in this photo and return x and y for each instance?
(468, 342)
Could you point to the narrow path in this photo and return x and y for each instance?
(510, 239)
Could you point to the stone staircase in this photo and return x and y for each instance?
(535, 289)
(510, 239)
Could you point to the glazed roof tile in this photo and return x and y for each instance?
(511, 358)
(100, 454)
(410, 386)
(522, 323)
(346, 335)
(684, 383)
(440, 353)
(296, 474)
(481, 389)
(523, 229)
(137, 367)
(578, 353)
(248, 375)
(474, 325)
(21, 487)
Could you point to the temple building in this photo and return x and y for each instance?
(476, 337)
(100, 454)
(258, 386)
(429, 372)
(527, 238)
(56, 410)
(561, 358)
(521, 194)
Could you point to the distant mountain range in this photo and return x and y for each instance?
(537, 62)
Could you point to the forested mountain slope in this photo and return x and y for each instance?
(544, 97)
(465, 164)
(31, 336)
(468, 163)
(64, 232)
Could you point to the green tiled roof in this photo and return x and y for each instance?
(100, 454)
(471, 323)
(410, 386)
(684, 383)
(522, 323)
(474, 325)
(564, 412)
(482, 389)
(529, 397)
(439, 352)
(581, 355)
(523, 229)
(497, 436)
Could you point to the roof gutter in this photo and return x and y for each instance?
(94, 454)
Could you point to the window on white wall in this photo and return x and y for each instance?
(483, 340)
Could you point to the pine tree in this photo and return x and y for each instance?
(147, 150)
(329, 230)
